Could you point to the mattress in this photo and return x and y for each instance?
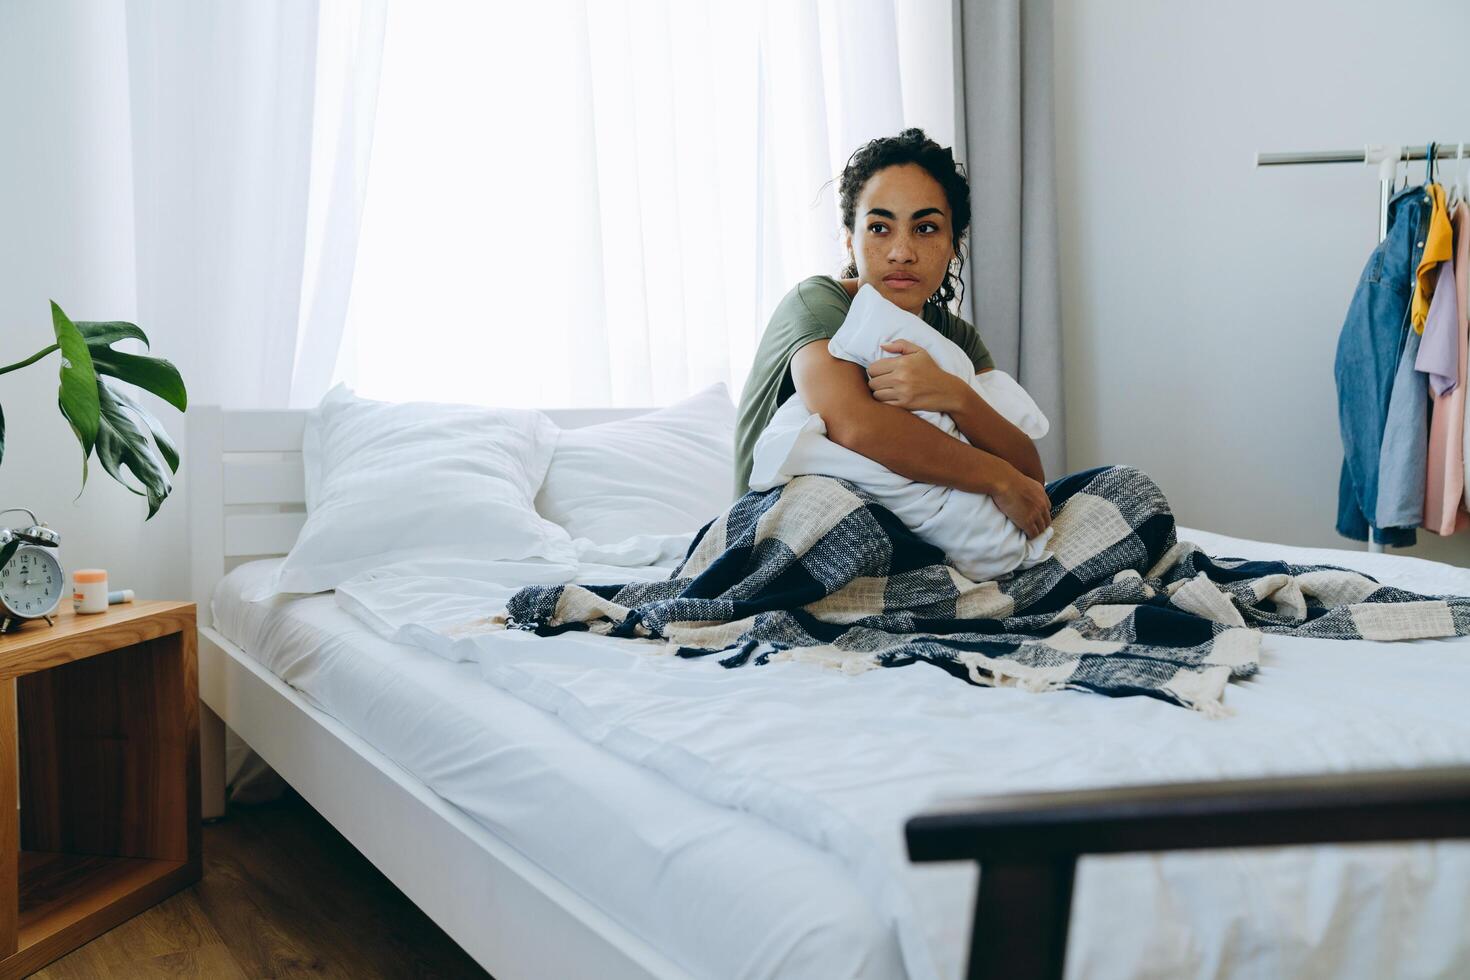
(674, 869)
(623, 744)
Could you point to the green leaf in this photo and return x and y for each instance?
(166, 446)
(128, 436)
(2, 435)
(149, 373)
(78, 392)
(106, 334)
(8, 551)
(121, 442)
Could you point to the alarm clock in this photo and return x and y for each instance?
(32, 582)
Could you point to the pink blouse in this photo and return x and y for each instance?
(1444, 490)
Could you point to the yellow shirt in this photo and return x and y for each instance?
(1437, 246)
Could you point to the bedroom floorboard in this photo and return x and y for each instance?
(283, 895)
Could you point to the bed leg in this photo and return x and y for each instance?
(1021, 916)
(212, 763)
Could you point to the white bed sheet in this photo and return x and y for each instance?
(674, 869)
(841, 761)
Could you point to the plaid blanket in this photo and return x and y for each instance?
(817, 571)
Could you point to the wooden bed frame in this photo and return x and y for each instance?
(246, 498)
(1028, 844)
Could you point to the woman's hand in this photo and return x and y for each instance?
(913, 381)
(1024, 501)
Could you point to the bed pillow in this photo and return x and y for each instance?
(668, 472)
(387, 482)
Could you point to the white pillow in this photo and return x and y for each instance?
(873, 321)
(665, 473)
(388, 482)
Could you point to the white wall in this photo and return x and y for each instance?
(66, 233)
(1203, 297)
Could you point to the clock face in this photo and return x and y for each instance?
(31, 583)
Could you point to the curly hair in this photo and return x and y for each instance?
(912, 146)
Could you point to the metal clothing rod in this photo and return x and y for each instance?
(1448, 150)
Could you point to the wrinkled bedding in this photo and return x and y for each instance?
(817, 571)
(840, 761)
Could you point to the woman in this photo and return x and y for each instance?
(905, 211)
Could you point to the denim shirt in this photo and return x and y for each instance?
(1403, 459)
(1370, 352)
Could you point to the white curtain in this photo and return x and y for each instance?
(161, 165)
(251, 128)
(251, 124)
(583, 203)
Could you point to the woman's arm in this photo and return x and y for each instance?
(912, 380)
(989, 430)
(838, 391)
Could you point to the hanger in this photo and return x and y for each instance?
(1462, 186)
(1452, 189)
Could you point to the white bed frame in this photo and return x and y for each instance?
(246, 496)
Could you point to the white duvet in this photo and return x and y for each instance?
(975, 535)
(841, 762)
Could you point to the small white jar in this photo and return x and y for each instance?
(89, 590)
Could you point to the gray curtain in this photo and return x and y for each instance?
(1003, 105)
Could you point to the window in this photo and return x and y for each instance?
(587, 204)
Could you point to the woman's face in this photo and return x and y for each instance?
(901, 239)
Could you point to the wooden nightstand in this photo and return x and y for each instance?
(106, 709)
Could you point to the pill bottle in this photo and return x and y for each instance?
(89, 594)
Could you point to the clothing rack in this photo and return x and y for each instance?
(1388, 158)
(1353, 156)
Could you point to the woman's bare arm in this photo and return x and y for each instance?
(912, 380)
(838, 391)
(987, 429)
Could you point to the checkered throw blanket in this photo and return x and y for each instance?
(817, 571)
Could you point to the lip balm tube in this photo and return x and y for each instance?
(119, 595)
(90, 590)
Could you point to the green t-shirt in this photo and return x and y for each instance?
(814, 310)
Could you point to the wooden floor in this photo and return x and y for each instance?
(283, 895)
